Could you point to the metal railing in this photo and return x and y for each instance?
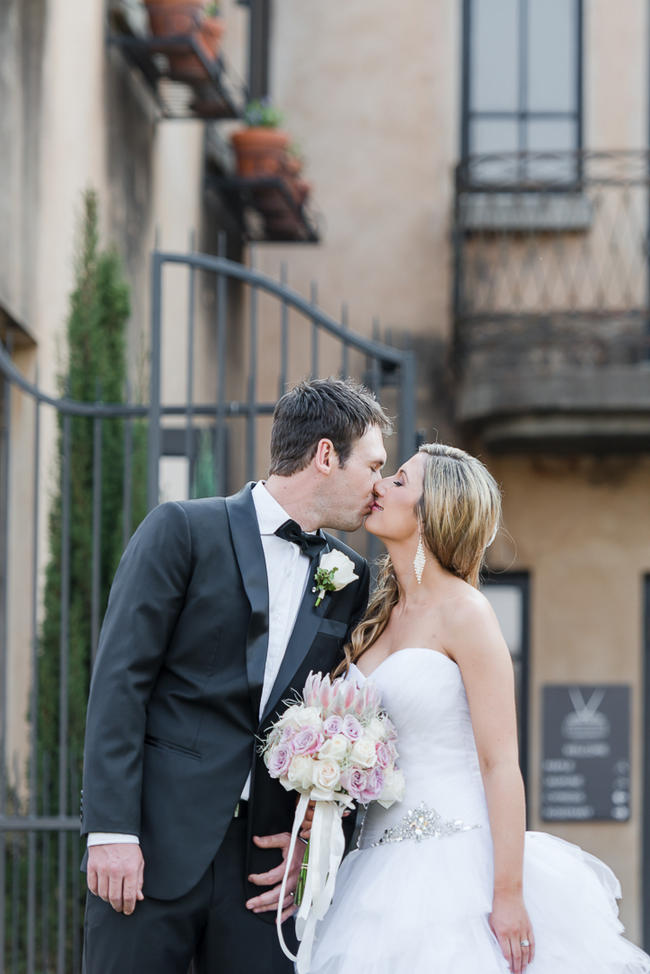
(552, 283)
(247, 337)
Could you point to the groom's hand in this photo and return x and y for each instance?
(269, 899)
(115, 873)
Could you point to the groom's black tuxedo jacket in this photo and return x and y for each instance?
(173, 713)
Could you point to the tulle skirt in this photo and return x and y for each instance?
(422, 908)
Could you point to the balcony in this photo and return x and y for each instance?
(551, 300)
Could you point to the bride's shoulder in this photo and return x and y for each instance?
(469, 619)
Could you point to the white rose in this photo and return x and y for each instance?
(290, 716)
(393, 790)
(309, 717)
(326, 774)
(363, 752)
(335, 748)
(344, 566)
(376, 729)
(300, 772)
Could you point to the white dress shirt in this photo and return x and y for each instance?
(286, 571)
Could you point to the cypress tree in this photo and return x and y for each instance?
(96, 370)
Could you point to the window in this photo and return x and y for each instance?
(507, 593)
(522, 85)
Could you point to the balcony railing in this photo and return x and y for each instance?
(551, 297)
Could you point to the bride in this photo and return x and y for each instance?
(448, 881)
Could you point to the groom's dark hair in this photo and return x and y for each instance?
(339, 410)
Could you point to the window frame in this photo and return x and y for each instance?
(520, 580)
(522, 115)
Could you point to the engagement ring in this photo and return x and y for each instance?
(525, 943)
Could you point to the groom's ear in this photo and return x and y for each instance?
(326, 458)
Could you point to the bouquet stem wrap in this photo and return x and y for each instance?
(326, 848)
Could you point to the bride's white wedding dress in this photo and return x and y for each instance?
(409, 903)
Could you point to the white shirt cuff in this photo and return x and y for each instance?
(105, 838)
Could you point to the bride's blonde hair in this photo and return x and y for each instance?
(459, 513)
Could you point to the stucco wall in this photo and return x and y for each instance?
(581, 527)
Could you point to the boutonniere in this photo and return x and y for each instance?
(335, 571)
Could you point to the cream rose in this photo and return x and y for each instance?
(299, 773)
(326, 774)
(335, 748)
(364, 752)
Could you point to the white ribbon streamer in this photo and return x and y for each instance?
(326, 848)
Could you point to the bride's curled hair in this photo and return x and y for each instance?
(459, 513)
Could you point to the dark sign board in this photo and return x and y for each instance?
(586, 753)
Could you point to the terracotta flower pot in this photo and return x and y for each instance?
(176, 18)
(169, 18)
(260, 151)
(210, 34)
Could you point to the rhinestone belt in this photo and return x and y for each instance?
(422, 823)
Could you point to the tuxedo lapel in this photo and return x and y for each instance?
(249, 553)
(304, 630)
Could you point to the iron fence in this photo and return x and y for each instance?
(247, 337)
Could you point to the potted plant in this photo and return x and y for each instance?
(187, 18)
(171, 18)
(211, 30)
(260, 148)
(293, 166)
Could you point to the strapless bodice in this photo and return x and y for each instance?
(423, 693)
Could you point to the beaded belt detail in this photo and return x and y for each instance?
(422, 823)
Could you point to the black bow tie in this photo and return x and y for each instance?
(310, 544)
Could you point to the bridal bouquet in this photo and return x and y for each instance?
(335, 746)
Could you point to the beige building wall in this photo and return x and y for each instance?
(371, 94)
(581, 527)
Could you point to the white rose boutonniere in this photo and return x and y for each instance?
(335, 571)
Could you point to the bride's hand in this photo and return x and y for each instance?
(512, 928)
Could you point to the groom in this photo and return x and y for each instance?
(211, 624)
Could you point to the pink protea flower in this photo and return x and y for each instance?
(312, 689)
(326, 694)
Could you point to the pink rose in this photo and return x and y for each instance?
(374, 785)
(354, 782)
(384, 759)
(287, 735)
(333, 725)
(279, 759)
(352, 728)
(307, 741)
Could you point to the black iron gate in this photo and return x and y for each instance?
(247, 338)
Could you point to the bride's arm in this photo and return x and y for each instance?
(477, 645)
